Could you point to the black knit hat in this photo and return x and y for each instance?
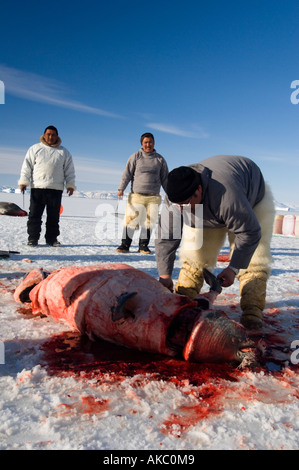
(182, 183)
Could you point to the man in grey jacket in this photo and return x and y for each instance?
(46, 168)
(147, 171)
(234, 201)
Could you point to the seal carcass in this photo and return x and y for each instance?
(126, 306)
(9, 208)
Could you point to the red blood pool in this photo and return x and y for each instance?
(70, 354)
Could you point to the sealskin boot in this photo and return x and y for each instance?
(253, 295)
(144, 241)
(125, 242)
(190, 280)
(252, 320)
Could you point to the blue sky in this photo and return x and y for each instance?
(205, 78)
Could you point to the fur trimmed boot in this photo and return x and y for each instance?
(190, 280)
(199, 250)
(253, 295)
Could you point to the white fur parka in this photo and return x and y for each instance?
(48, 167)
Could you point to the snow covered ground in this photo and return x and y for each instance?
(60, 391)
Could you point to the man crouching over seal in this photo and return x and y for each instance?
(236, 202)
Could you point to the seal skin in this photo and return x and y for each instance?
(9, 208)
(125, 306)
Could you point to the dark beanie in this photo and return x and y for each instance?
(182, 183)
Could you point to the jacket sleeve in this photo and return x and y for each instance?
(27, 168)
(128, 173)
(69, 172)
(168, 237)
(240, 219)
(164, 174)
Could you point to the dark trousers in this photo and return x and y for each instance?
(39, 200)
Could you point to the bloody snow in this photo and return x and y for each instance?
(59, 390)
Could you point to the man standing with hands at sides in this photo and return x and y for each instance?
(147, 171)
(236, 202)
(47, 167)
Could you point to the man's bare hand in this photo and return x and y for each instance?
(167, 282)
(228, 277)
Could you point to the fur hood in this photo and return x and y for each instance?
(58, 142)
(48, 167)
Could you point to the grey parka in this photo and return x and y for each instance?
(232, 186)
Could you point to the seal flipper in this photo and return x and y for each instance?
(30, 280)
(124, 307)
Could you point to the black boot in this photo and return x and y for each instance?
(144, 241)
(125, 242)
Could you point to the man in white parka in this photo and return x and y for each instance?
(47, 167)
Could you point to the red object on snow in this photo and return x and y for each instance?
(9, 208)
(288, 225)
(223, 258)
(126, 306)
